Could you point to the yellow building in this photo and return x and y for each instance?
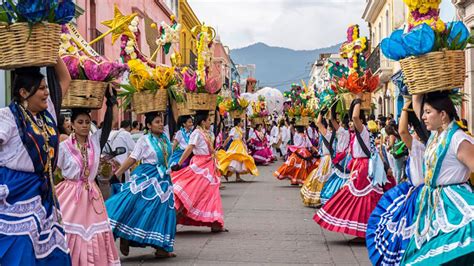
(187, 43)
(383, 17)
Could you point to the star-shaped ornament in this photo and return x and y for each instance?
(119, 24)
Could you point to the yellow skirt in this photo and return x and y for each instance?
(311, 190)
(236, 160)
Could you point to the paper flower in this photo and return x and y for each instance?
(32, 11)
(64, 12)
(73, 64)
(393, 47)
(420, 40)
(458, 33)
(190, 82)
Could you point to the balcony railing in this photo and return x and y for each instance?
(373, 62)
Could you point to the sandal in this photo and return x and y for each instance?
(124, 246)
(160, 253)
(219, 230)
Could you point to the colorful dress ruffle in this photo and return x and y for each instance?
(236, 159)
(89, 234)
(197, 196)
(349, 209)
(444, 227)
(311, 190)
(260, 150)
(296, 168)
(30, 233)
(337, 179)
(142, 210)
(392, 224)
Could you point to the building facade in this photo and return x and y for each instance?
(188, 20)
(383, 17)
(465, 12)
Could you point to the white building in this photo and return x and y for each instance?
(465, 12)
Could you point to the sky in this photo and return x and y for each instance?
(295, 24)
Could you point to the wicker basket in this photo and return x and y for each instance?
(85, 94)
(20, 47)
(435, 71)
(237, 114)
(366, 101)
(180, 109)
(258, 120)
(147, 101)
(302, 121)
(202, 101)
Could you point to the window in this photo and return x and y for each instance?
(99, 46)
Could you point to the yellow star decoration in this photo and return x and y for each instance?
(119, 24)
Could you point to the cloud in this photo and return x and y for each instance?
(296, 24)
(286, 23)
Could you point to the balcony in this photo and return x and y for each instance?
(380, 65)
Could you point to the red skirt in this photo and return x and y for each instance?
(196, 191)
(296, 168)
(348, 211)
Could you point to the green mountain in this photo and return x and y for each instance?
(279, 67)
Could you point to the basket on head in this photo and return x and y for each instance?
(366, 100)
(23, 45)
(201, 101)
(302, 121)
(258, 120)
(435, 71)
(180, 109)
(85, 94)
(147, 101)
(240, 114)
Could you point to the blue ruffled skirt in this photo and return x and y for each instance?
(392, 224)
(142, 210)
(335, 181)
(174, 159)
(29, 230)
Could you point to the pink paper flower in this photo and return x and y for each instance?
(97, 71)
(190, 82)
(213, 84)
(72, 64)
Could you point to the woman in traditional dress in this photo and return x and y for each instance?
(444, 215)
(196, 187)
(349, 209)
(86, 223)
(274, 138)
(259, 147)
(311, 190)
(236, 159)
(30, 226)
(392, 222)
(181, 139)
(142, 210)
(340, 161)
(299, 164)
(396, 159)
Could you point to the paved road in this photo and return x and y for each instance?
(268, 226)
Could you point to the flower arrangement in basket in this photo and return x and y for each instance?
(259, 111)
(303, 104)
(29, 31)
(91, 73)
(148, 88)
(431, 53)
(202, 86)
(359, 79)
(234, 107)
(179, 104)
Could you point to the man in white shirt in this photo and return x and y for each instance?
(122, 138)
